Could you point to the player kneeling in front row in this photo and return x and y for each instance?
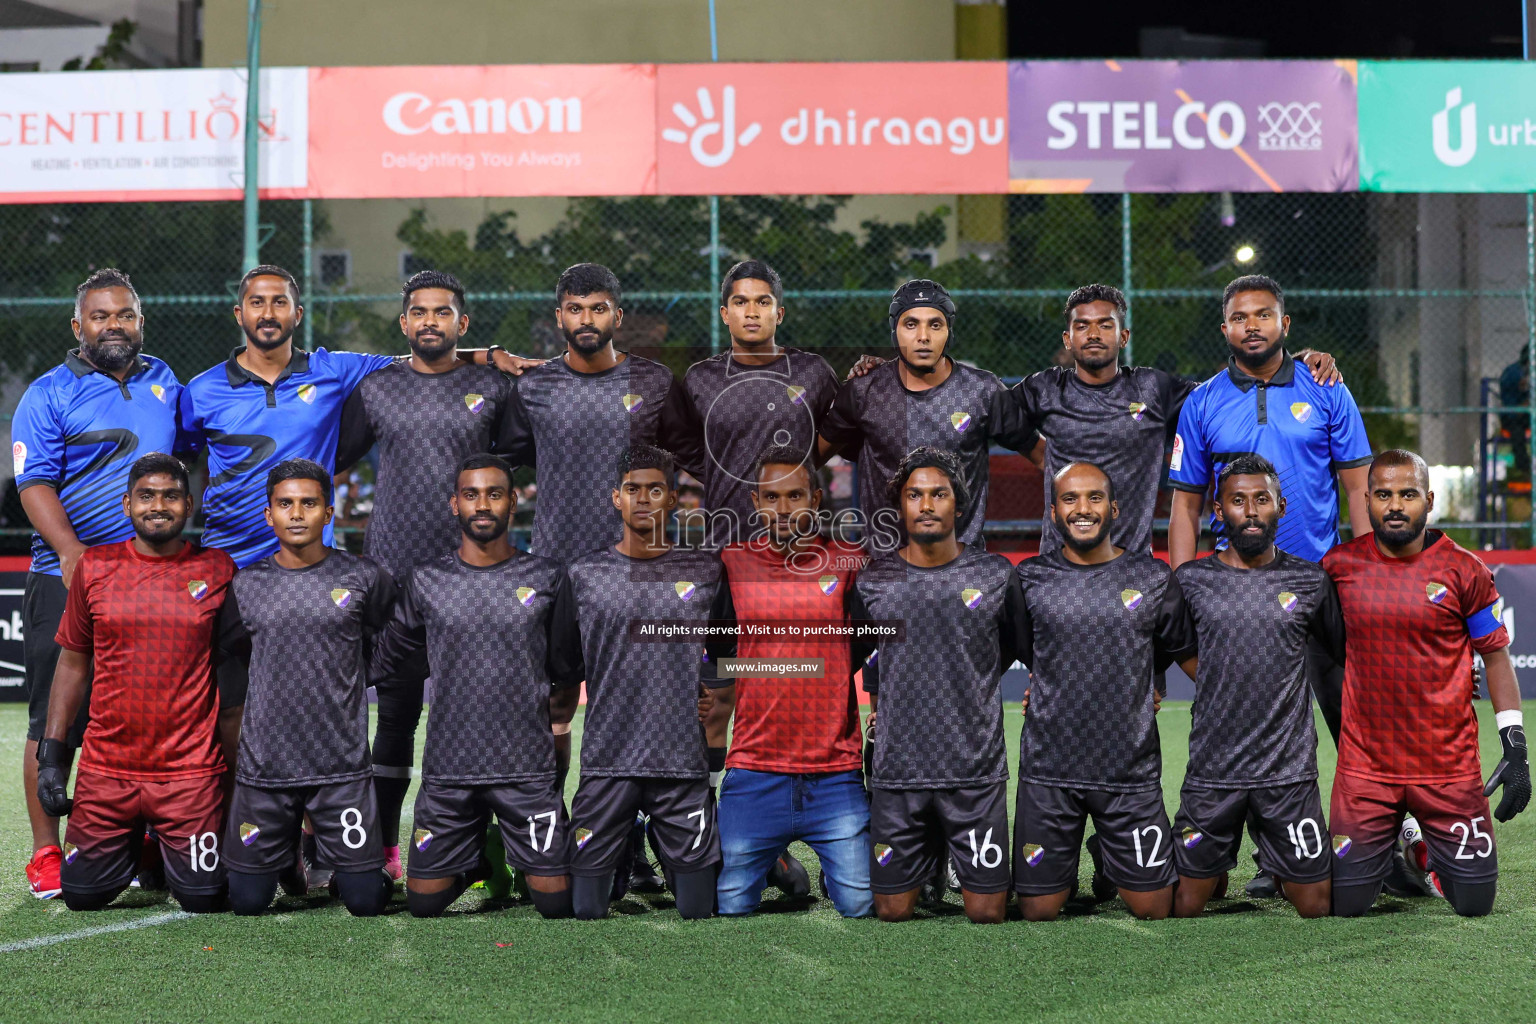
(1252, 742)
(1099, 620)
(1416, 605)
(642, 745)
(484, 617)
(146, 611)
(939, 778)
(295, 636)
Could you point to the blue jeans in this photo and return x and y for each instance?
(761, 812)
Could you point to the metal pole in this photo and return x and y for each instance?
(714, 204)
(309, 274)
(1125, 267)
(252, 110)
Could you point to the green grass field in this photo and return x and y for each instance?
(1245, 961)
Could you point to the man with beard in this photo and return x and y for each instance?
(144, 614)
(484, 618)
(924, 397)
(1417, 606)
(74, 437)
(1252, 742)
(939, 776)
(267, 403)
(572, 417)
(425, 413)
(1099, 621)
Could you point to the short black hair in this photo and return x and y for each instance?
(1096, 293)
(484, 460)
(752, 270)
(106, 277)
(299, 469)
(432, 279)
(1248, 464)
(268, 270)
(781, 455)
(648, 456)
(587, 279)
(929, 457)
(1400, 457)
(159, 462)
(1108, 480)
(1253, 283)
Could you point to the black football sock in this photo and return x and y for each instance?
(1354, 900)
(1469, 899)
(695, 892)
(552, 904)
(432, 904)
(589, 896)
(201, 902)
(91, 900)
(251, 894)
(365, 893)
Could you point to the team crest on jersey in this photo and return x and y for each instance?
(1302, 411)
(684, 589)
(1138, 409)
(474, 402)
(19, 457)
(1287, 600)
(796, 394)
(583, 836)
(1341, 845)
(1033, 854)
(525, 596)
(1131, 599)
(882, 854)
(971, 596)
(158, 392)
(1498, 610)
(341, 596)
(71, 851)
(307, 394)
(198, 589)
(1435, 592)
(422, 838)
(828, 584)
(872, 656)
(961, 421)
(632, 402)
(1191, 838)
(248, 833)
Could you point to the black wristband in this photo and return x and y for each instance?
(1511, 736)
(52, 752)
(716, 757)
(491, 350)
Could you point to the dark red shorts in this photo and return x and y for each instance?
(101, 844)
(1366, 816)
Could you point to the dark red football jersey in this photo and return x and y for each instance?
(798, 725)
(150, 625)
(1411, 626)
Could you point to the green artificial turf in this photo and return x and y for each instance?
(1245, 961)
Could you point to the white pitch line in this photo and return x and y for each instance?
(85, 933)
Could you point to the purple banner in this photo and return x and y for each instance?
(1182, 126)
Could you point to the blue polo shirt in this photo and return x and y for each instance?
(1308, 431)
(249, 426)
(79, 430)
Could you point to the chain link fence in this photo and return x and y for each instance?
(1426, 301)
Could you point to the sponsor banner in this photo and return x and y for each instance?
(513, 130)
(1177, 126)
(874, 128)
(146, 135)
(1448, 126)
(11, 584)
(1517, 586)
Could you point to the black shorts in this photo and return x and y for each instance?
(42, 607)
(102, 841)
(682, 813)
(450, 824)
(911, 831)
(1048, 837)
(262, 833)
(1290, 830)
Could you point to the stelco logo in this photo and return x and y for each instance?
(412, 113)
(712, 139)
(1136, 125)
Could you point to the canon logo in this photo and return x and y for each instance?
(411, 113)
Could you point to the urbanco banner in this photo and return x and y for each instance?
(146, 135)
(504, 130)
(871, 128)
(1447, 126)
(1182, 126)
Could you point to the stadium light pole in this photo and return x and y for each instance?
(714, 205)
(252, 111)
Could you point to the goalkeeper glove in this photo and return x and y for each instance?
(52, 777)
(1513, 773)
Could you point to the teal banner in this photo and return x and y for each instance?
(1447, 126)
